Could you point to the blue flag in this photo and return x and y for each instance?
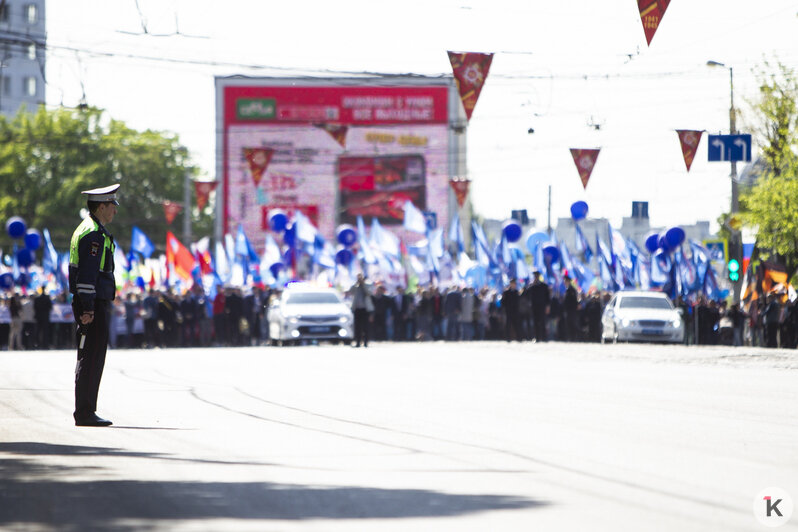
(140, 243)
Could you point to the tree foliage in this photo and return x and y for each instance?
(47, 158)
(772, 204)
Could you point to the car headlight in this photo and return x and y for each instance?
(625, 322)
(676, 323)
(343, 319)
(293, 320)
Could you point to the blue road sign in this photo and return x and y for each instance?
(729, 148)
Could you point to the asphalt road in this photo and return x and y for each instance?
(426, 436)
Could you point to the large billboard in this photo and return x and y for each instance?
(333, 149)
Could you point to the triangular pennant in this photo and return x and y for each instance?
(336, 131)
(585, 160)
(258, 159)
(203, 190)
(689, 140)
(470, 72)
(460, 187)
(171, 210)
(651, 13)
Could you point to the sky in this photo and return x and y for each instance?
(579, 73)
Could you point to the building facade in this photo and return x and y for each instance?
(23, 39)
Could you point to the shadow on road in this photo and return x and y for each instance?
(32, 494)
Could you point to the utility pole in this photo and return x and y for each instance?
(187, 209)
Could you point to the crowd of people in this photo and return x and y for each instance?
(530, 312)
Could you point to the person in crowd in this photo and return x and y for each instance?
(452, 303)
(570, 308)
(509, 304)
(234, 313)
(219, 318)
(15, 328)
(152, 334)
(482, 314)
(362, 307)
(540, 297)
(382, 313)
(525, 310)
(772, 320)
(132, 313)
(42, 306)
(466, 316)
(424, 315)
(593, 311)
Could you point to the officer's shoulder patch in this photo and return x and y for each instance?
(95, 249)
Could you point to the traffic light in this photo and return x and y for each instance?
(734, 270)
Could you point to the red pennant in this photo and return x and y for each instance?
(470, 72)
(585, 160)
(460, 187)
(336, 131)
(689, 140)
(171, 210)
(203, 190)
(651, 13)
(259, 159)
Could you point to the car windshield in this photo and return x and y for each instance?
(311, 298)
(645, 302)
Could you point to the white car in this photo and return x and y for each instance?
(641, 317)
(305, 312)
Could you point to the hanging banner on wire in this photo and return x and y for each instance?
(203, 190)
(651, 13)
(336, 131)
(258, 159)
(171, 210)
(585, 160)
(470, 72)
(689, 140)
(460, 188)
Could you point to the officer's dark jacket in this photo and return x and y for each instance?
(91, 263)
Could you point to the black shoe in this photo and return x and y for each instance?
(92, 420)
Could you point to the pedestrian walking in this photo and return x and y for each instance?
(92, 284)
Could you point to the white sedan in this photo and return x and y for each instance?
(641, 317)
(305, 312)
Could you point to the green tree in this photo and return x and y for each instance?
(772, 204)
(47, 158)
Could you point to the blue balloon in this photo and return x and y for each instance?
(674, 236)
(652, 242)
(511, 230)
(23, 279)
(25, 257)
(551, 252)
(534, 240)
(15, 226)
(7, 281)
(578, 210)
(277, 220)
(662, 242)
(346, 235)
(33, 239)
(344, 256)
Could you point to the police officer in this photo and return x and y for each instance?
(91, 282)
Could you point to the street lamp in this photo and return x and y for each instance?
(734, 240)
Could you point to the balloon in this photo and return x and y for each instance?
(23, 279)
(7, 281)
(511, 230)
(551, 252)
(289, 237)
(344, 256)
(662, 242)
(534, 240)
(578, 210)
(346, 235)
(674, 236)
(652, 242)
(25, 257)
(277, 220)
(15, 226)
(33, 239)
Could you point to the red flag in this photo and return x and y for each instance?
(460, 187)
(171, 210)
(336, 131)
(179, 256)
(585, 160)
(203, 190)
(258, 161)
(470, 72)
(689, 140)
(651, 13)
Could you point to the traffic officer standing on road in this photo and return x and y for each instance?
(91, 282)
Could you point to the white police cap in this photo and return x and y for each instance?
(103, 194)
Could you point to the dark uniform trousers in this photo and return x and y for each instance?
(91, 356)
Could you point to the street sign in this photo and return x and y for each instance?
(729, 148)
(717, 250)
